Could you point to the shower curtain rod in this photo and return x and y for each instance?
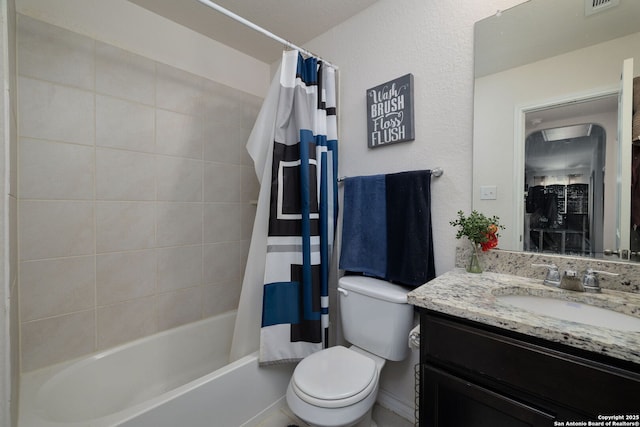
(259, 29)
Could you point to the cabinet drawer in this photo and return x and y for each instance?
(454, 402)
(574, 382)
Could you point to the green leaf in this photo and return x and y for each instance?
(475, 227)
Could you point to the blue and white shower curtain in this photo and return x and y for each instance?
(298, 170)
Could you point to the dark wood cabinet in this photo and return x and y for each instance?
(474, 375)
(452, 402)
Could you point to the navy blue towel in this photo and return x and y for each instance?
(364, 226)
(409, 240)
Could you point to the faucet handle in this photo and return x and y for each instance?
(590, 280)
(553, 275)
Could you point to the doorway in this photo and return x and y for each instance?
(568, 196)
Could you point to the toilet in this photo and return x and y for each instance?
(337, 386)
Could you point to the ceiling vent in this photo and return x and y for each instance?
(595, 6)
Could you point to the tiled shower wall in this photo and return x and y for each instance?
(134, 194)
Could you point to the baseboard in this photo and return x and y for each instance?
(395, 405)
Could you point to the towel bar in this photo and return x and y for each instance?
(437, 172)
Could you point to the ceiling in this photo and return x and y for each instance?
(288, 19)
(558, 155)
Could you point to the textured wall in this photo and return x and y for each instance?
(433, 40)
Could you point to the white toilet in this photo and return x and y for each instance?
(337, 387)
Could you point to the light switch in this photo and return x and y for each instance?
(488, 192)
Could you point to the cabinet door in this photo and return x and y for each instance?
(449, 401)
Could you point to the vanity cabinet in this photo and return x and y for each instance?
(475, 375)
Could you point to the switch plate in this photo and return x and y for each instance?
(488, 192)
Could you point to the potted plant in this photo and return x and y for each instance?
(481, 231)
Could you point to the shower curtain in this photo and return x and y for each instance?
(294, 149)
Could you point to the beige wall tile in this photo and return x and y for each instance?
(248, 218)
(54, 112)
(245, 245)
(51, 53)
(250, 184)
(12, 237)
(243, 137)
(220, 297)
(126, 321)
(221, 103)
(124, 124)
(50, 229)
(250, 106)
(125, 175)
(55, 170)
(222, 262)
(113, 185)
(55, 339)
(179, 224)
(222, 222)
(58, 286)
(178, 90)
(179, 267)
(178, 134)
(123, 226)
(222, 142)
(179, 307)
(124, 74)
(122, 276)
(221, 182)
(249, 110)
(179, 180)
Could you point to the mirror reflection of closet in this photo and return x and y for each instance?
(564, 190)
(565, 185)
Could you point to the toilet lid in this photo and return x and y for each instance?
(335, 377)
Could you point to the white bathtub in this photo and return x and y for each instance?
(178, 377)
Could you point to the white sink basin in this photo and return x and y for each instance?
(573, 311)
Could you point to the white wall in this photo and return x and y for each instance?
(433, 40)
(596, 68)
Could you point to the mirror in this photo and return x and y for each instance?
(536, 65)
(563, 190)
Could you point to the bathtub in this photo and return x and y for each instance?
(178, 377)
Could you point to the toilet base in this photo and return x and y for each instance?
(334, 417)
(366, 421)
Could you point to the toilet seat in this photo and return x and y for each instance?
(334, 378)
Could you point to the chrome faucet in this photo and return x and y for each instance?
(553, 275)
(570, 280)
(590, 280)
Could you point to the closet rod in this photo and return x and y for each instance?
(259, 29)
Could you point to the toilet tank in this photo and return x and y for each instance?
(375, 316)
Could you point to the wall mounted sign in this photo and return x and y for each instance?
(390, 112)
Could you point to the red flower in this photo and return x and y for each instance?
(492, 241)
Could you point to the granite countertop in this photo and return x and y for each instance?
(475, 297)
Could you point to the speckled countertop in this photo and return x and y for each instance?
(475, 297)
